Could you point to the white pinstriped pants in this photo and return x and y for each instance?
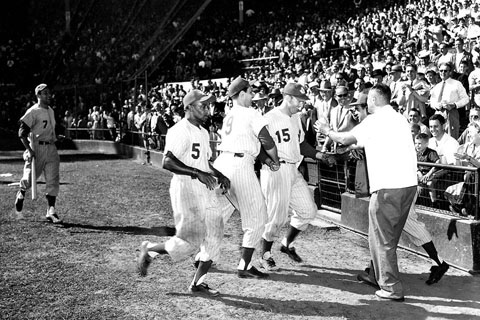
(286, 189)
(245, 187)
(414, 229)
(47, 161)
(190, 199)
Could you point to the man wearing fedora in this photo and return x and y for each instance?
(324, 108)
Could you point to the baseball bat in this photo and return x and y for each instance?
(33, 170)
(232, 200)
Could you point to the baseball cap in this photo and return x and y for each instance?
(39, 88)
(362, 99)
(238, 85)
(296, 90)
(197, 95)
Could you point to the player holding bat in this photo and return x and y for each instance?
(41, 154)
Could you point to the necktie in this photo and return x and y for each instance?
(441, 92)
(339, 118)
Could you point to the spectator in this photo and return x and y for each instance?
(414, 118)
(412, 92)
(446, 97)
(425, 174)
(472, 127)
(341, 117)
(441, 141)
(324, 109)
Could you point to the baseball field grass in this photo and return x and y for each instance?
(86, 268)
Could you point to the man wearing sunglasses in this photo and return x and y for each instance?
(446, 97)
(341, 119)
(472, 128)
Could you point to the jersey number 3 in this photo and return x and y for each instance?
(195, 150)
(283, 135)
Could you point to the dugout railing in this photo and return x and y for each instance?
(456, 188)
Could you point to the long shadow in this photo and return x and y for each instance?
(89, 157)
(38, 182)
(416, 290)
(346, 279)
(162, 231)
(70, 157)
(368, 309)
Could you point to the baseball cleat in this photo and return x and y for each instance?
(19, 201)
(292, 254)
(52, 216)
(437, 272)
(144, 260)
(203, 288)
(389, 295)
(267, 262)
(19, 215)
(252, 273)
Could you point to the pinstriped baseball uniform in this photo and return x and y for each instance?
(286, 188)
(414, 229)
(41, 122)
(240, 146)
(190, 198)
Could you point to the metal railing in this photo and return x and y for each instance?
(463, 181)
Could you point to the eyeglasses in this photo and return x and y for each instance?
(342, 95)
(443, 70)
(403, 60)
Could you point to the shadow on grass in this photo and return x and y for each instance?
(162, 231)
(16, 182)
(310, 308)
(68, 157)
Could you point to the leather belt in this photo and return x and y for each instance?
(45, 142)
(283, 161)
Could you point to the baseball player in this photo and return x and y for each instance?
(40, 120)
(243, 132)
(286, 188)
(187, 151)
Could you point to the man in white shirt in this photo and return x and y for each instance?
(392, 173)
(441, 141)
(446, 97)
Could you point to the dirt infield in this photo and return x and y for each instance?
(85, 269)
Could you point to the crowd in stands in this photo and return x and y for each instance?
(427, 51)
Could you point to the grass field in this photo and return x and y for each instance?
(85, 269)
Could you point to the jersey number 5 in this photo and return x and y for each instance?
(283, 135)
(195, 150)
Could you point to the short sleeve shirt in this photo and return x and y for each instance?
(287, 133)
(389, 149)
(240, 131)
(41, 122)
(190, 144)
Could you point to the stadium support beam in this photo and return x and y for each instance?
(153, 64)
